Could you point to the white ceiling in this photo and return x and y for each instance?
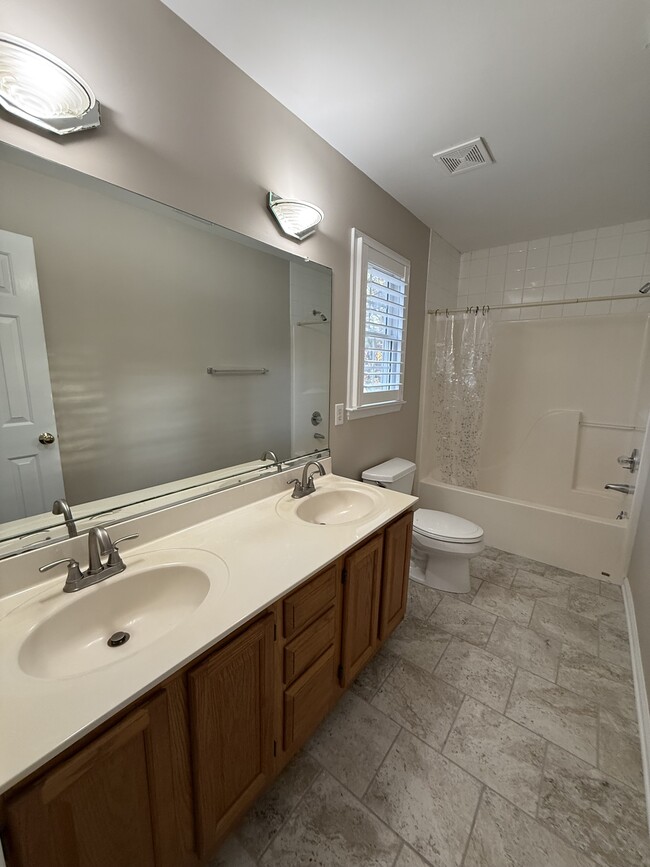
(559, 89)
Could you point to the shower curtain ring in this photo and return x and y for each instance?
(476, 311)
(447, 312)
(436, 312)
(467, 310)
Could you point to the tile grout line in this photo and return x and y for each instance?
(400, 729)
(472, 825)
(541, 780)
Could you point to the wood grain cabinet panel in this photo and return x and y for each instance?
(112, 803)
(301, 606)
(361, 591)
(308, 700)
(231, 730)
(300, 652)
(395, 577)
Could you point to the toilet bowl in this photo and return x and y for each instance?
(442, 543)
(441, 550)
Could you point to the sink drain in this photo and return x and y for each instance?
(118, 638)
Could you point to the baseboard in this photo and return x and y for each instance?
(642, 709)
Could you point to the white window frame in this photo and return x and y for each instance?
(365, 252)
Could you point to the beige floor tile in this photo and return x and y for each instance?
(429, 801)
(409, 858)
(525, 648)
(330, 828)
(495, 571)
(614, 643)
(593, 607)
(374, 674)
(504, 836)
(419, 643)
(522, 562)
(466, 597)
(232, 854)
(577, 582)
(619, 750)
(505, 603)
(270, 812)
(463, 620)
(477, 673)
(565, 626)
(490, 552)
(504, 755)
(613, 591)
(541, 587)
(352, 742)
(421, 601)
(419, 702)
(603, 818)
(603, 682)
(555, 713)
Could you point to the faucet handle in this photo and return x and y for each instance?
(114, 558)
(69, 560)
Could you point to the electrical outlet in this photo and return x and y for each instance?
(338, 413)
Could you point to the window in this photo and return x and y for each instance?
(378, 306)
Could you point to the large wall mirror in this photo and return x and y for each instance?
(145, 354)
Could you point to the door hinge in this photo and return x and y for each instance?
(344, 576)
(340, 672)
(275, 748)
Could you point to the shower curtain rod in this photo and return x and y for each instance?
(439, 311)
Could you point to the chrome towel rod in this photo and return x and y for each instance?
(445, 311)
(237, 371)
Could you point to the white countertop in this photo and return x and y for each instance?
(266, 555)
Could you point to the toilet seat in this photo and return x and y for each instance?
(444, 527)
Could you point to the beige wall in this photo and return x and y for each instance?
(136, 305)
(183, 125)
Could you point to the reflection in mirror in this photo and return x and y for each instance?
(143, 351)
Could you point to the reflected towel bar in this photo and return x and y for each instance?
(236, 371)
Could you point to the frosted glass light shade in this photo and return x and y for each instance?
(39, 88)
(296, 219)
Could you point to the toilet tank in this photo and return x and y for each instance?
(397, 474)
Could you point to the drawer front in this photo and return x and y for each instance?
(308, 601)
(305, 648)
(308, 700)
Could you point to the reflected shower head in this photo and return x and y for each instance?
(645, 289)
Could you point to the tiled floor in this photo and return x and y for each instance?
(494, 729)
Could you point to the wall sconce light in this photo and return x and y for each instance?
(296, 219)
(39, 88)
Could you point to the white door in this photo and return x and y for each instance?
(30, 470)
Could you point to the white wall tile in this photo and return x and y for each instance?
(559, 255)
(556, 274)
(630, 266)
(589, 235)
(582, 251)
(497, 264)
(596, 263)
(538, 257)
(603, 269)
(632, 245)
(608, 247)
(579, 272)
(638, 226)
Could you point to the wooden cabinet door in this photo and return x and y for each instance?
(395, 578)
(362, 575)
(112, 803)
(231, 723)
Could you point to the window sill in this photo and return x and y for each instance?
(373, 409)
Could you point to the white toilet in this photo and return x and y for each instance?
(442, 543)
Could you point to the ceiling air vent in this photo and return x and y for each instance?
(463, 158)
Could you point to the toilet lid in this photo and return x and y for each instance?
(447, 528)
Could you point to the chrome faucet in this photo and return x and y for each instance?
(60, 507)
(306, 486)
(622, 489)
(268, 454)
(99, 545)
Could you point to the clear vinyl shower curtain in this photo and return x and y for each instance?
(462, 344)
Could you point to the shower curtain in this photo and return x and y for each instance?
(462, 346)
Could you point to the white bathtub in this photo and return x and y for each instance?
(577, 542)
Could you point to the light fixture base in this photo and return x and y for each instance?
(296, 219)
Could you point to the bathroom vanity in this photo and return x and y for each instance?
(313, 588)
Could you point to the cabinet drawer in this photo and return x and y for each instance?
(305, 648)
(308, 699)
(306, 602)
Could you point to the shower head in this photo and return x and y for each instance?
(645, 289)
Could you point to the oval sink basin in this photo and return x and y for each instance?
(338, 506)
(150, 598)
